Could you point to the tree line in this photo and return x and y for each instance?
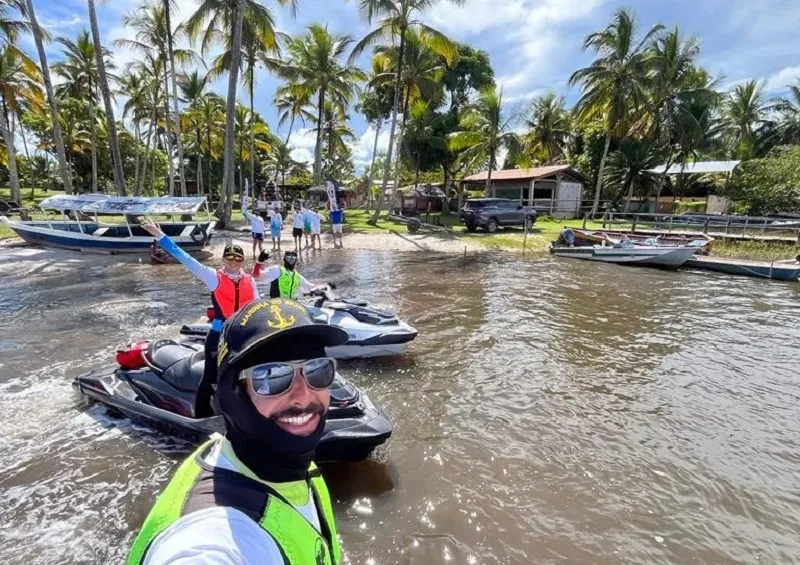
(644, 101)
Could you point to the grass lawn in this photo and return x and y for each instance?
(755, 250)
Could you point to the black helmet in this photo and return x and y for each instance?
(290, 259)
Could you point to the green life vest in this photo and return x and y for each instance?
(288, 283)
(197, 486)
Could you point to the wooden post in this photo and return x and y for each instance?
(633, 226)
(728, 225)
(586, 218)
(744, 229)
(605, 215)
(705, 225)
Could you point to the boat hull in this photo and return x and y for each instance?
(758, 269)
(664, 257)
(87, 243)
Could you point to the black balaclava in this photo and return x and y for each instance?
(289, 266)
(269, 451)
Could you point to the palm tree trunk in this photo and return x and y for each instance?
(318, 144)
(113, 141)
(488, 189)
(28, 160)
(199, 175)
(399, 164)
(143, 178)
(174, 82)
(629, 195)
(387, 167)
(288, 135)
(138, 135)
(8, 138)
(661, 180)
(66, 176)
(168, 130)
(230, 116)
(93, 130)
(599, 187)
(374, 154)
(208, 162)
(252, 131)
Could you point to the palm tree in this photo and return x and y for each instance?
(615, 85)
(280, 158)
(313, 65)
(19, 80)
(38, 37)
(257, 44)
(375, 105)
(193, 89)
(485, 130)
(134, 86)
(548, 129)
(150, 68)
(394, 19)
(745, 115)
(421, 137)
(215, 19)
(150, 23)
(79, 71)
(789, 109)
(105, 90)
(173, 81)
(629, 168)
(291, 103)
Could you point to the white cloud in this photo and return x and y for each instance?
(64, 23)
(783, 78)
(362, 147)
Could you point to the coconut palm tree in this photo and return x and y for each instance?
(150, 23)
(745, 113)
(215, 20)
(19, 80)
(616, 84)
(484, 131)
(375, 105)
(173, 82)
(153, 100)
(280, 158)
(629, 168)
(105, 90)
(394, 18)
(134, 86)
(39, 36)
(291, 103)
(80, 75)
(549, 130)
(314, 66)
(193, 89)
(420, 136)
(789, 109)
(254, 49)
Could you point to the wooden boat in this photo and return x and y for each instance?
(595, 237)
(781, 270)
(126, 236)
(650, 256)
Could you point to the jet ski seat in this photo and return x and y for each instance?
(366, 315)
(179, 365)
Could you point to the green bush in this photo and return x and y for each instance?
(771, 184)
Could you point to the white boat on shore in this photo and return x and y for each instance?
(664, 256)
(81, 226)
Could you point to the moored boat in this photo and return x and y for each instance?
(595, 237)
(780, 270)
(81, 227)
(650, 256)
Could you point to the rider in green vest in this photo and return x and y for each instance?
(255, 496)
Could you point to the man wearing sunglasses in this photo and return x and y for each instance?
(255, 496)
(284, 281)
(231, 288)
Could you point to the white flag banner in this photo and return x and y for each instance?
(331, 189)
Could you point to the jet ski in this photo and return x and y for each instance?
(373, 332)
(155, 383)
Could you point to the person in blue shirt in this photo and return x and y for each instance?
(337, 219)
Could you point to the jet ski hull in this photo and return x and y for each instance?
(351, 433)
(362, 344)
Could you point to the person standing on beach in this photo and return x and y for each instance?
(337, 219)
(275, 227)
(256, 227)
(316, 229)
(297, 227)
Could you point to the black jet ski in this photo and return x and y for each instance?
(155, 383)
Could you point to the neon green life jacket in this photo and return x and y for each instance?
(197, 486)
(288, 284)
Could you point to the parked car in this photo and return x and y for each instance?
(492, 213)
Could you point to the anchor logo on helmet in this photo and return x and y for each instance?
(279, 321)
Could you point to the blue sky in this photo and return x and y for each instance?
(534, 45)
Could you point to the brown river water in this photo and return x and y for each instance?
(549, 412)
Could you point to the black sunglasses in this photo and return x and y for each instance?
(273, 379)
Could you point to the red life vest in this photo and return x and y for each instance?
(231, 295)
